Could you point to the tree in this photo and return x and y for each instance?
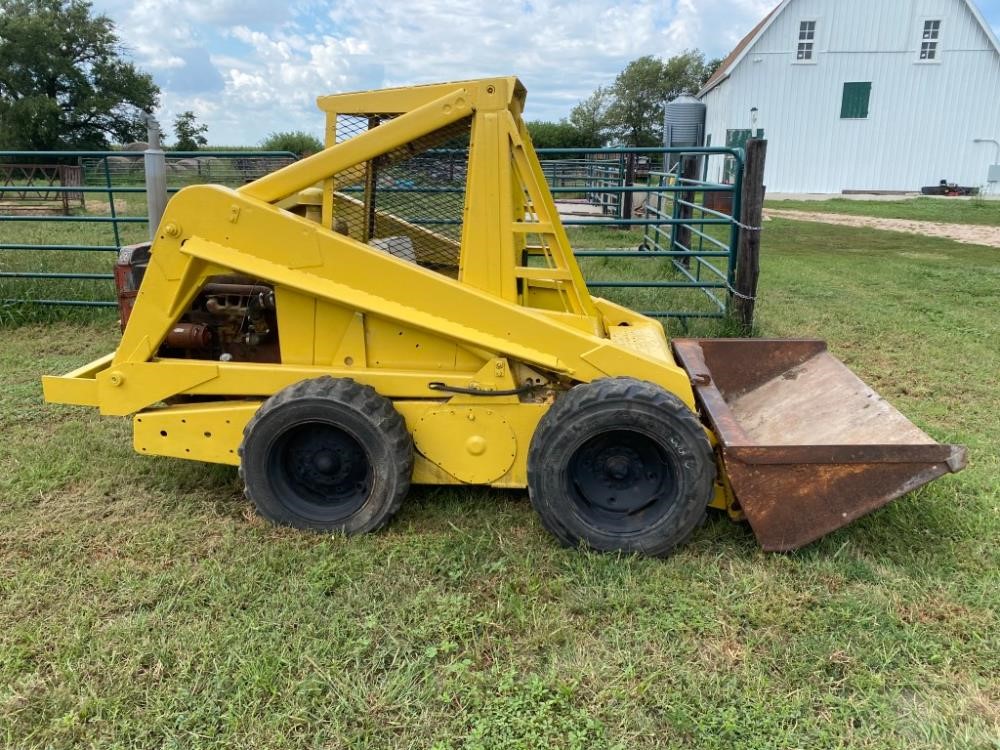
(590, 117)
(190, 135)
(296, 141)
(560, 134)
(711, 66)
(63, 81)
(640, 91)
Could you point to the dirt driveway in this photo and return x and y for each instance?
(969, 233)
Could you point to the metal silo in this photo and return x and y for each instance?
(683, 124)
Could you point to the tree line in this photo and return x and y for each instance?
(629, 111)
(65, 84)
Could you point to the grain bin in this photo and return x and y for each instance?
(683, 124)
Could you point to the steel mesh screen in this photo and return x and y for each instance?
(408, 202)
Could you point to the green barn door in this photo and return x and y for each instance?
(737, 139)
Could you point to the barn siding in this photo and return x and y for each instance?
(922, 117)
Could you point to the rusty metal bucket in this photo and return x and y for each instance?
(807, 446)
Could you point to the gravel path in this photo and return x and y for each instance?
(969, 233)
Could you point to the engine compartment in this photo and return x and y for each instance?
(231, 318)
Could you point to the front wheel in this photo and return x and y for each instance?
(327, 454)
(620, 464)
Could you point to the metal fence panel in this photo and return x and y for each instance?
(58, 208)
(689, 227)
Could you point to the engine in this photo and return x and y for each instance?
(232, 318)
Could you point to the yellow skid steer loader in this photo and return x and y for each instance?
(338, 341)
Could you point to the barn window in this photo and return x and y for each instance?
(929, 42)
(854, 105)
(807, 37)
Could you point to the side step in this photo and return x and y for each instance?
(807, 446)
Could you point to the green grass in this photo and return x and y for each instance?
(945, 210)
(142, 604)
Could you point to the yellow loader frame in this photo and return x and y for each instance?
(348, 310)
(478, 361)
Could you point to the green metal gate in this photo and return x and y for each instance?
(682, 265)
(656, 240)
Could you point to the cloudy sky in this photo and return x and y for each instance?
(250, 67)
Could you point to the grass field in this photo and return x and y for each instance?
(944, 210)
(142, 604)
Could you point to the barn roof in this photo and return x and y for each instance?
(722, 71)
(744, 45)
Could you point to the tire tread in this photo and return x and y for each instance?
(365, 400)
(634, 392)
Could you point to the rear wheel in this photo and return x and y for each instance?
(620, 464)
(327, 454)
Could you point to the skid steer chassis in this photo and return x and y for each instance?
(338, 343)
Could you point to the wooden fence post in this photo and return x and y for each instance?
(744, 292)
(688, 175)
(625, 198)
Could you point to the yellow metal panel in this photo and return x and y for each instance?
(332, 323)
(475, 444)
(522, 418)
(609, 358)
(141, 384)
(204, 432)
(645, 339)
(353, 349)
(538, 299)
(296, 341)
(426, 471)
(253, 379)
(390, 344)
(482, 225)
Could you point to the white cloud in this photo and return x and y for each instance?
(261, 64)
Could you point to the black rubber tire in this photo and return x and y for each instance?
(658, 454)
(327, 454)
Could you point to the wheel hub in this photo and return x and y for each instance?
(326, 462)
(619, 474)
(324, 466)
(617, 467)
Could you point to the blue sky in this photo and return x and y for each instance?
(250, 67)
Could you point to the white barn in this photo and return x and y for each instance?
(886, 95)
